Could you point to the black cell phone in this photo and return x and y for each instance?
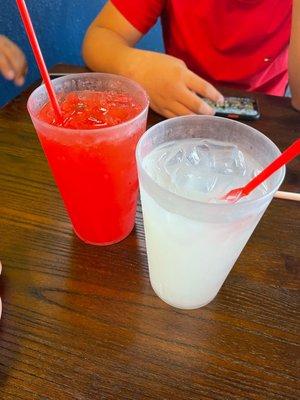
(244, 108)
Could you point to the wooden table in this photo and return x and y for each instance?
(82, 322)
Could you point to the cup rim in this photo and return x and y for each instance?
(245, 202)
(103, 130)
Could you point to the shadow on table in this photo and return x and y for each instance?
(108, 278)
(109, 265)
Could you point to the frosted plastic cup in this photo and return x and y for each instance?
(192, 245)
(95, 170)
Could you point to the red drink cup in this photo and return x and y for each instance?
(94, 169)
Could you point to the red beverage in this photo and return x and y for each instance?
(92, 156)
(92, 110)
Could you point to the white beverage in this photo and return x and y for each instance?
(193, 237)
(189, 258)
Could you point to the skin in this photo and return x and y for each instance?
(156, 72)
(109, 47)
(294, 56)
(13, 64)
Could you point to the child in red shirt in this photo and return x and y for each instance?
(13, 64)
(247, 44)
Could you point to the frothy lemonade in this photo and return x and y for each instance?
(189, 258)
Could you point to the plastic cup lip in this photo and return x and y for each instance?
(103, 130)
(245, 202)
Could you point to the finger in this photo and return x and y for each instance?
(5, 68)
(202, 87)
(179, 109)
(168, 114)
(194, 102)
(205, 109)
(163, 112)
(16, 58)
(176, 110)
(20, 81)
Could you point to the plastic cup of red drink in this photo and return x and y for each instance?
(92, 153)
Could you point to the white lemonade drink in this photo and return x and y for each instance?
(193, 237)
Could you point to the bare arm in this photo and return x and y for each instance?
(294, 56)
(172, 87)
(109, 41)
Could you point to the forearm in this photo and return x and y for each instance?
(294, 56)
(109, 47)
(106, 51)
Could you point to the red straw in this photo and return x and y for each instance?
(38, 56)
(289, 154)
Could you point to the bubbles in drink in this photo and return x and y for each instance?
(201, 169)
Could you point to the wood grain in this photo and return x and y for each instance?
(82, 322)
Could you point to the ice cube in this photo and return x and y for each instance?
(199, 155)
(193, 184)
(199, 169)
(173, 161)
(188, 167)
(192, 157)
(192, 179)
(226, 159)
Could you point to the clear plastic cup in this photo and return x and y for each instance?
(95, 170)
(192, 245)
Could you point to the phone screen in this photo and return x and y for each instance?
(237, 107)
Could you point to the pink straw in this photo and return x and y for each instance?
(39, 57)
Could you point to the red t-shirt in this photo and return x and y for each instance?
(238, 43)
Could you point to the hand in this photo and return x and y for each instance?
(13, 64)
(172, 87)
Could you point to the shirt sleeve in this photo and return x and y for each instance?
(142, 14)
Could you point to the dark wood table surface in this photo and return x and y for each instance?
(82, 322)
